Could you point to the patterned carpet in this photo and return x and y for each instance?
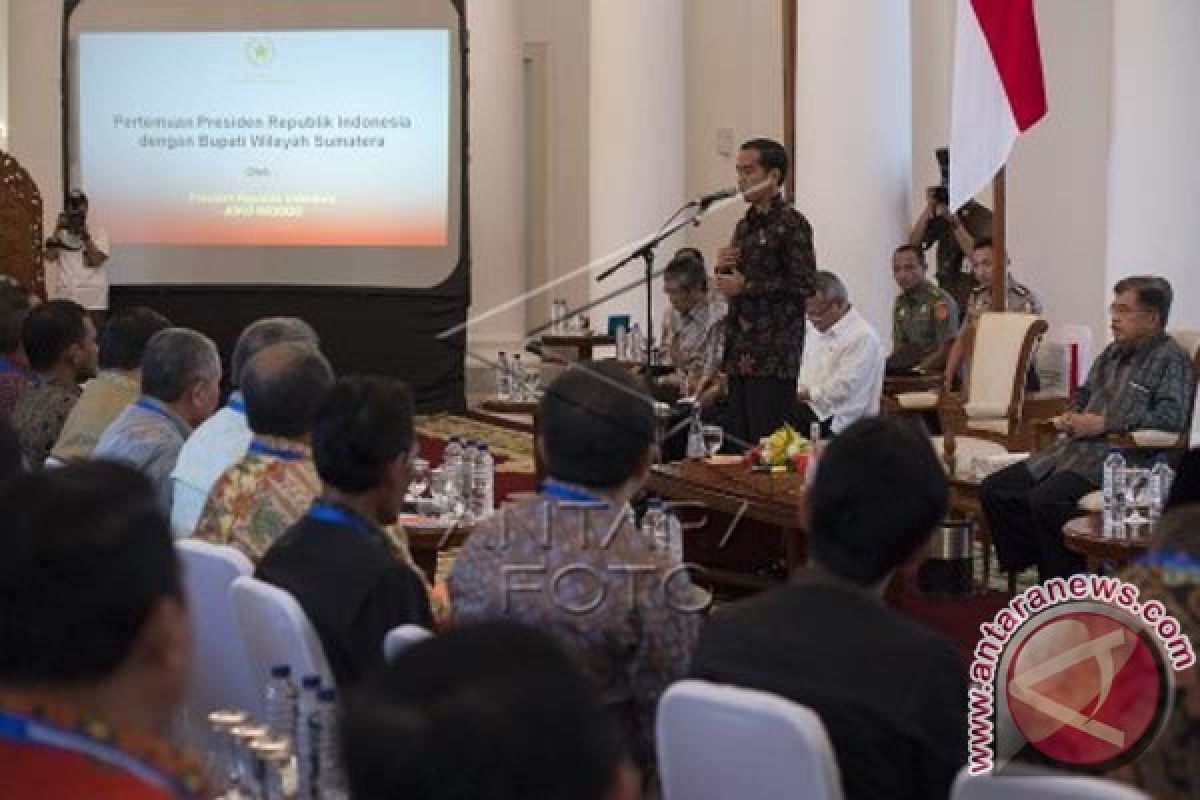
(512, 449)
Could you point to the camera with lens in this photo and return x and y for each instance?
(941, 192)
(75, 211)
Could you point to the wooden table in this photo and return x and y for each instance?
(498, 406)
(424, 544)
(1085, 536)
(581, 346)
(746, 523)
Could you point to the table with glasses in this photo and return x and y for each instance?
(1085, 536)
(566, 348)
(748, 531)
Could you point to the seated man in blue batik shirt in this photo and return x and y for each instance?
(1142, 381)
(181, 377)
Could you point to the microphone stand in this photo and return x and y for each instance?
(646, 253)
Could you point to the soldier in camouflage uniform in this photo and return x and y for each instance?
(924, 318)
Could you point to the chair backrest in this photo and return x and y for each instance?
(221, 676)
(1190, 342)
(401, 637)
(1000, 357)
(276, 631)
(1048, 786)
(717, 742)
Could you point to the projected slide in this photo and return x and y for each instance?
(268, 138)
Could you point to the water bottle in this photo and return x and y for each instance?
(622, 344)
(1158, 486)
(280, 707)
(1114, 495)
(466, 481)
(695, 437)
(673, 536)
(652, 527)
(503, 377)
(483, 493)
(306, 751)
(330, 783)
(636, 343)
(516, 379)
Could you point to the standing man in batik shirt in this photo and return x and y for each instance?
(766, 273)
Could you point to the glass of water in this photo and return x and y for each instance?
(714, 437)
(418, 478)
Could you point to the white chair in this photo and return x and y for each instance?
(723, 742)
(276, 631)
(401, 637)
(1048, 786)
(221, 676)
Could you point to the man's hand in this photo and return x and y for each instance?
(711, 391)
(731, 284)
(1079, 424)
(803, 395)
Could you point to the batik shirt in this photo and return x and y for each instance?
(764, 330)
(261, 496)
(39, 416)
(584, 572)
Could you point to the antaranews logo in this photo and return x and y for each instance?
(1075, 673)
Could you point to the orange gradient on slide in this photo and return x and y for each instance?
(314, 225)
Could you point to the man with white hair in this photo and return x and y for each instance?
(841, 372)
(181, 385)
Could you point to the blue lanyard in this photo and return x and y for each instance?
(22, 729)
(560, 491)
(261, 448)
(7, 366)
(1175, 560)
(236, 403)
(146, 405)
(323, 512)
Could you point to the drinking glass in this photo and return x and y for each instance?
(418, 478)
(533, 376)
(714, 437)
(1135, 488)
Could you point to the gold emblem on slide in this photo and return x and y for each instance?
(260, 52)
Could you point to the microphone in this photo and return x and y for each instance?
(706, 200)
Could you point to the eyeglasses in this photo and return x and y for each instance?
(1121, 312)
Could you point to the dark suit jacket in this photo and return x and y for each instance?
(351, 586)
(892, 695)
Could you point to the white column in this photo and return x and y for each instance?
(4, 70)
(1154, 167)
(34, 110)
(496, 164)
(933, 78)
(854, 142)
(637, 145)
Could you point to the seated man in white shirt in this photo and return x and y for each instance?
(841, 370)
(223, 439)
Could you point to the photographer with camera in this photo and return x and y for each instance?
(75, 258)
(954, 234)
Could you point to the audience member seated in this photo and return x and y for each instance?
(1143, 380)
(924, 317)
(841, 372)
(692, 325)
(1170, 574)
(573, 561)
(181, 386)
(892, 694)
(350, 577)
(15, 375)
(270, 488)
(484, 712)
(60, 342)
(122, 343)
(1019, 299)
(222, 440)
(95, 643)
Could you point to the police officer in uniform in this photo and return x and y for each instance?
(1021, 299)
(924, 318)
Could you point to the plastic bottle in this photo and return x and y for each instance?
(673, 535)
(1158, 487)
(622, 344)
(306, 751)
(503, 377)
(280, 706)
(637, 343)
(695, 437)
(483, 483)
(466, 483)
(652, 527)
(516, 379)
(1113, 492)
(330, 783)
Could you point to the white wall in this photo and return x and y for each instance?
(734, 79)
(1155, 169)
(34, 98)
(4, 75)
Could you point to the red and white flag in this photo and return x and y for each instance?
(998, 90)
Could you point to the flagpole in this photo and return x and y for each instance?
(999, 243)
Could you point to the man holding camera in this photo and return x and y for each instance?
(953, 233)
(75, 258)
